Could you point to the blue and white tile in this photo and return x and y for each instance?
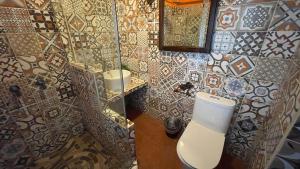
(223, 42)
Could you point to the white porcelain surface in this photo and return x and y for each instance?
(201, 144)
(112, 79)
(200, 147)
(212, 111)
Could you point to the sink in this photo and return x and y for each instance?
(112, 79)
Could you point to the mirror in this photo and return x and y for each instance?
(186, 25)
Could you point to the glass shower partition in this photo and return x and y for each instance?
(90, 35)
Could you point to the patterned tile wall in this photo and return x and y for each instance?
(90, 43)
(283, 113)
(40, 121)
(254, 45)
(117, 138)
(89, 32)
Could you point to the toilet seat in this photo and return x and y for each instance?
(200, 147)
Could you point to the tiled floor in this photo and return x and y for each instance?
(82, 152)
(157, 151)
(154, 150)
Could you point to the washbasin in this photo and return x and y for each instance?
(112, 79)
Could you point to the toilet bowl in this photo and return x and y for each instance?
(201, 144)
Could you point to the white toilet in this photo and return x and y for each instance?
(201, 144)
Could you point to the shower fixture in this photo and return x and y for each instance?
(41, 83)
(15, 90)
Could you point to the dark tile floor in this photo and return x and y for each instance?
(155, 150)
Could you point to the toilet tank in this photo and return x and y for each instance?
(212, 111)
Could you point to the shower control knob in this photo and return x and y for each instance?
(15, 90)
(41, 83)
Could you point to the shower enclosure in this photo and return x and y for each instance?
(90, 34)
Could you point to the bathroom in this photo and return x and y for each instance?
(63, 103)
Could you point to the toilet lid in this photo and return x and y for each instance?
(200, 147)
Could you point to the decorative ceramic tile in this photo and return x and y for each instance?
(254, 110)
(247, 125)
(196, 77)
(56, 61)
(242, 66)
(132, 38)
(62, 119)
(28, 96)
(15, 20)
(227, 18)
(79, 40)
(83, 151)
(153, 38)
(33, 65)
(61, 21)
(77, 23)
(280, 44)
(180, 59)
(10, 139)
(39, 4)
(103, 126)
(96, 23)
(231, 2)
(104, 40)
(142, 23)
(91, 40)
(103, 7)
(5, 50)
(235, 87)
(285, 17)
(67, 6)
(13, 3)
(214, 83)
(248, 43)
(62, 77)
(141, 53)
(268, 69)
(10, 69)
(24, 44)
(166, 70)
(43, 21)
(259, 160)
(218, 63)
(256, 17)
(142, 38)
(273, 135)
(30, 125)
(153, 54)
(223, 42)
(51, 42)
(291, 105)
(167, 90)
(180, 73)
(49, 82)
(88, 6)
(240, 140)
(197, 62)
(262, 91)
(130, 24)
